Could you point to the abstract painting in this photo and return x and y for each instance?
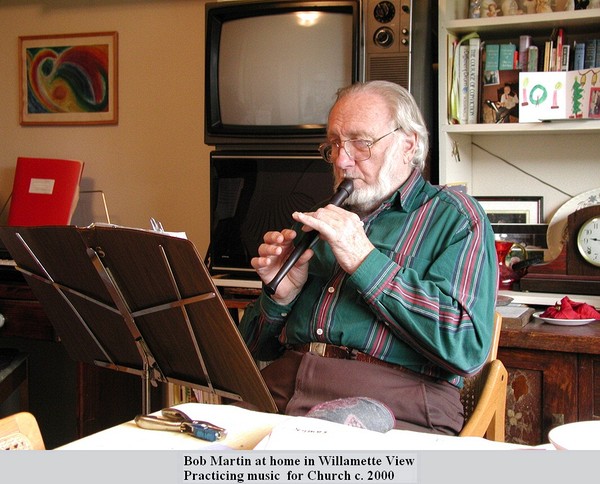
(68, 79)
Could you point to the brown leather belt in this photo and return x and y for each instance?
(342, 353)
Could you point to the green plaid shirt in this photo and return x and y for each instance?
(423, 299)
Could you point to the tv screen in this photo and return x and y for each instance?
(273, 68)
(253, 194)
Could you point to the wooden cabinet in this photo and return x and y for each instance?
(551, 159)
(554, 378)
(69, 399)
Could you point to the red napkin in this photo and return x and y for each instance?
(568, 309)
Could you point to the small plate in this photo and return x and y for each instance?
(563, 322)
(576, 436)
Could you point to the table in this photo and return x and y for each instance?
(247, 429)
(547, 298)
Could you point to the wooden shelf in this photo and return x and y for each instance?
(581, 126)
(582, 20)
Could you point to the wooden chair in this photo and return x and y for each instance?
(484, 395)
(20, 432)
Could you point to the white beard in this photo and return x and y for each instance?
(365, 200)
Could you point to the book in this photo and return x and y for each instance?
(45, 191)
(492, 57)
(597, 53)
(515, 316)
(589, 57)
(451, 79)
(463, 83)
(458, 62)
(524, 44)
(473, 84)
(559, 50)
(548, 46)
(507, 57)
(533, 59)
(578, 55)
(566, 52)
(490, 62)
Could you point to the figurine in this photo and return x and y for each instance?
(475, 9)
(543, 6)
(492, 10)
(510, 7)
(529, 6)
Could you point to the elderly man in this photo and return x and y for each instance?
(395, 301)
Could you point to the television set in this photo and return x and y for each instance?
(270, 79)
(273, 68)
(255, 192)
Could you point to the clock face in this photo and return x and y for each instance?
(588, 241)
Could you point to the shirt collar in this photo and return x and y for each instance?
(406, 195)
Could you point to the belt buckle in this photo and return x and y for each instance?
(317, 348)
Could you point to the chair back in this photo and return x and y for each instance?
(484, 395)
(20, 432)
(495, 337)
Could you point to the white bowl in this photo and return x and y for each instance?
(576, 436)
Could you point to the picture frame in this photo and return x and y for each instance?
(513, 210)
(492, 101)
(68, 79)
(594, 109)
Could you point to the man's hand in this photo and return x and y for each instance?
(343, 230)
(272, 254)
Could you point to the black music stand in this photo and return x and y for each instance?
(140, 302)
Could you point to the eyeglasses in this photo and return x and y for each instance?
(356, 149)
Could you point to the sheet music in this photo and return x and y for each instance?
(180, 235)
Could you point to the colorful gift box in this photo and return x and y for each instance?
(559, 95)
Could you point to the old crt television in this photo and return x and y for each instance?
(254, 192)
(273, 68)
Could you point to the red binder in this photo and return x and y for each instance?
(45, 191)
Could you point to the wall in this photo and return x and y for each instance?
(556, 167)
(153, 163)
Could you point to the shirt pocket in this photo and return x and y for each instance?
(418, 264)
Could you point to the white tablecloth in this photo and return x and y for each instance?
(256, 430)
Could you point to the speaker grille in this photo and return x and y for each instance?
(389, 68)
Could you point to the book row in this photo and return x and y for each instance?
(484, 77)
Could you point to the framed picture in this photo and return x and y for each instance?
(513, 210)
(68, 79)
(499, 97)
(594, 110)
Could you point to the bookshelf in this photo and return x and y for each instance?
(562, 153)
(580, 20)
